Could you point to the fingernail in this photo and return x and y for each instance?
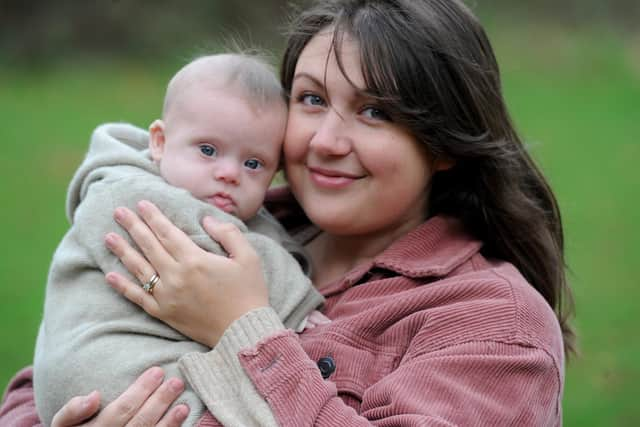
(87, 400)
(143, 204)
(210, 220)
(111, 279)
(156, 373)
(176, 385)
(118, 214)
(181, 412)
(110, 239)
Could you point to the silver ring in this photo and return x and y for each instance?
(151, 283)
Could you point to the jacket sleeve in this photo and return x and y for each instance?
(18, 407)
(477, 383)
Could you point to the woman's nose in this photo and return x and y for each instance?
(227, 170)
(332, 137)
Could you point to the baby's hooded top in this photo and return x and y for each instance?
(93, 338)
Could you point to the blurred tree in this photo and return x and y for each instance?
(622, 13)
(40, 31)
(45, 30)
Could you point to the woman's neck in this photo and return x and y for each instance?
(333, 256)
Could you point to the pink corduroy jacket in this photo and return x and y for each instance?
(430, 332)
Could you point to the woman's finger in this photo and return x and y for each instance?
(229, 237)
(143, 403)
(314, 319)
(157, 404)
(142, 235)
(133, 261)
(317, 318)
(175, 417)
(174, 240)
(308, 324)
(125, 407)
(134, 292)
(77, 410)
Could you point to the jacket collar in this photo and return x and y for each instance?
(434, 249)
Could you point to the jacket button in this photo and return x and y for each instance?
(327, 366)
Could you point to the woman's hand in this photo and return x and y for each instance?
(315, 318)
(200, 294)
(144, 403)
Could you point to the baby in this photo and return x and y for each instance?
(214, 152)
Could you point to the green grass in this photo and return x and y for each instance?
(575, 98)
(577, 102)
(47, 118)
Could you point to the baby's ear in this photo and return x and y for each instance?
(156, 140)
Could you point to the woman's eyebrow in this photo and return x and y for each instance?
(358, 95)
(308, 76)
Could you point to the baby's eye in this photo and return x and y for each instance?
(310, 99)
(375, 114)
(253, 164)
(208, 150)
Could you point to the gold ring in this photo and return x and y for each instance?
(151, 283)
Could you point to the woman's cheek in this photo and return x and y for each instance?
(297, 137)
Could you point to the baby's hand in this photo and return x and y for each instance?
(316, 318)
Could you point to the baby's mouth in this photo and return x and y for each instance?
(222, 201)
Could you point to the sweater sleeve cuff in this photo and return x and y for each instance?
(249, 329)
(220, 381)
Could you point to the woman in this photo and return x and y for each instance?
(433, 236)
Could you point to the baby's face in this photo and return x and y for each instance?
(221, 149)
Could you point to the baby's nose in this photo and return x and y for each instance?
(227, 171)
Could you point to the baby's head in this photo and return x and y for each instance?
(221, 132)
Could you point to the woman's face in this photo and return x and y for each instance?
(353, 171)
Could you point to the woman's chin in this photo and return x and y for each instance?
(336, 221)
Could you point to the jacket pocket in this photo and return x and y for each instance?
(358, 365)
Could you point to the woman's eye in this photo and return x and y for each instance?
(208, 150)
(310, 99)
(375, 114)
(253, 164)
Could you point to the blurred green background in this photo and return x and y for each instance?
(571, 77)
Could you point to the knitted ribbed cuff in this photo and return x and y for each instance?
(249, 329)
(219, 379)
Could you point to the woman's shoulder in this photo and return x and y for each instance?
(534, 323)
(467, 296)
(490, 301)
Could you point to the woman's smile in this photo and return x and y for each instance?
(343, 164)
(332, 179)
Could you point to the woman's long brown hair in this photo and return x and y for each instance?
(432, 67)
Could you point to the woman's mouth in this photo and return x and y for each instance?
(332, 179)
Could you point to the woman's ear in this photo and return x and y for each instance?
(156, 140)
(443, 164)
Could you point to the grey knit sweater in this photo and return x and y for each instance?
(91, 337)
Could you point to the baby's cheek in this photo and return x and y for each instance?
(250, 201)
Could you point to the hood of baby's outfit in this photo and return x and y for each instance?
(112, 145)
